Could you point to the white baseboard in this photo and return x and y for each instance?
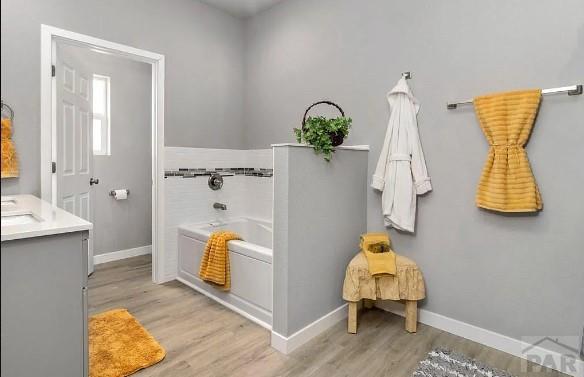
(122, 254)
(288, 344)
(489, 338)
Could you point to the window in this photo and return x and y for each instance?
(101, 115)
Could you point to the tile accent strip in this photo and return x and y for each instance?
(199, 172)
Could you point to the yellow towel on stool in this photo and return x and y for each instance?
(380, 258)
(215, 268)
(375, 242)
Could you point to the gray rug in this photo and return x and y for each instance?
(442, 362)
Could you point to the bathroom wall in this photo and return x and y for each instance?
(121, 225)
(489, 270)
(517, 275)
(203, 47)
(319, 214)
(247, 191)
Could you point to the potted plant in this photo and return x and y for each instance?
(322, 133)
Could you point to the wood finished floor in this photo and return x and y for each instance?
(203, 338)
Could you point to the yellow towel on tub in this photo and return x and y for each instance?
(380, 258)
(215, 268)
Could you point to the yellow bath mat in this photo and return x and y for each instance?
(119, 345)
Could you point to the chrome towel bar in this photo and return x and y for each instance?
(574, 90)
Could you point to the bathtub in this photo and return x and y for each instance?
(251, 265)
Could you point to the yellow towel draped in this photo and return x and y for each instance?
(380, 258)
(9, 160)
(215, 268)
(507, 183)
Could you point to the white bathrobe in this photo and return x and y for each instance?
(401, 170)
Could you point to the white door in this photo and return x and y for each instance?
(74, 138)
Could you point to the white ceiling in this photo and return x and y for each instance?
(242, 8)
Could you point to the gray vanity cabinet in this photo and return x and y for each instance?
(44, 306)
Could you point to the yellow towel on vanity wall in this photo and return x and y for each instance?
(215, 268)
(507, 183)
(9, 159)
(380, 257)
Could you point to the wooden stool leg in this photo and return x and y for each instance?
(367, 303)
(411, 316)
(352, 320)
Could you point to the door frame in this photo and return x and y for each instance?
(49, 35)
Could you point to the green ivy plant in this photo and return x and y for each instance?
(318, 130)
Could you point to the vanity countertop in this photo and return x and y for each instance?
(26, 216)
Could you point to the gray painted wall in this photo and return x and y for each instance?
(120, 225)
(319, 214)
(516, 275)
(490, 270)
(204, 67)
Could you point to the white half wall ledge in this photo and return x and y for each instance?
(344, 147)
(486, 337)
(122, 254)
(287, 345)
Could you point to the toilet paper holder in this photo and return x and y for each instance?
(113, 192)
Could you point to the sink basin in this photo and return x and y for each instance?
(19, 219)
(7, 203)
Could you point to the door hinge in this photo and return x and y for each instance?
(53, 71)
(53, 167)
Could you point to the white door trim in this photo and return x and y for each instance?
(48, 35)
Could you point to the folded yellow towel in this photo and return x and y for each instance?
(380, 247)
(215, 268)
(374, 242)
(381, 263)
(380, 258)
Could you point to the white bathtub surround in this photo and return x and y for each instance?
(190, 200)
(251, 265)
(179, 157)
(122, 254)
(319, 214)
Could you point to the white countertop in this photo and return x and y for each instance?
(48, 219)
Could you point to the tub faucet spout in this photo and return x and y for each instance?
(220, 206)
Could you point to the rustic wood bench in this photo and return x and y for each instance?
(407, 287)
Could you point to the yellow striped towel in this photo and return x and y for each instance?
(507, 183)
(215, 268)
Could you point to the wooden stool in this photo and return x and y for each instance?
(411, 310)
(407, 286)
